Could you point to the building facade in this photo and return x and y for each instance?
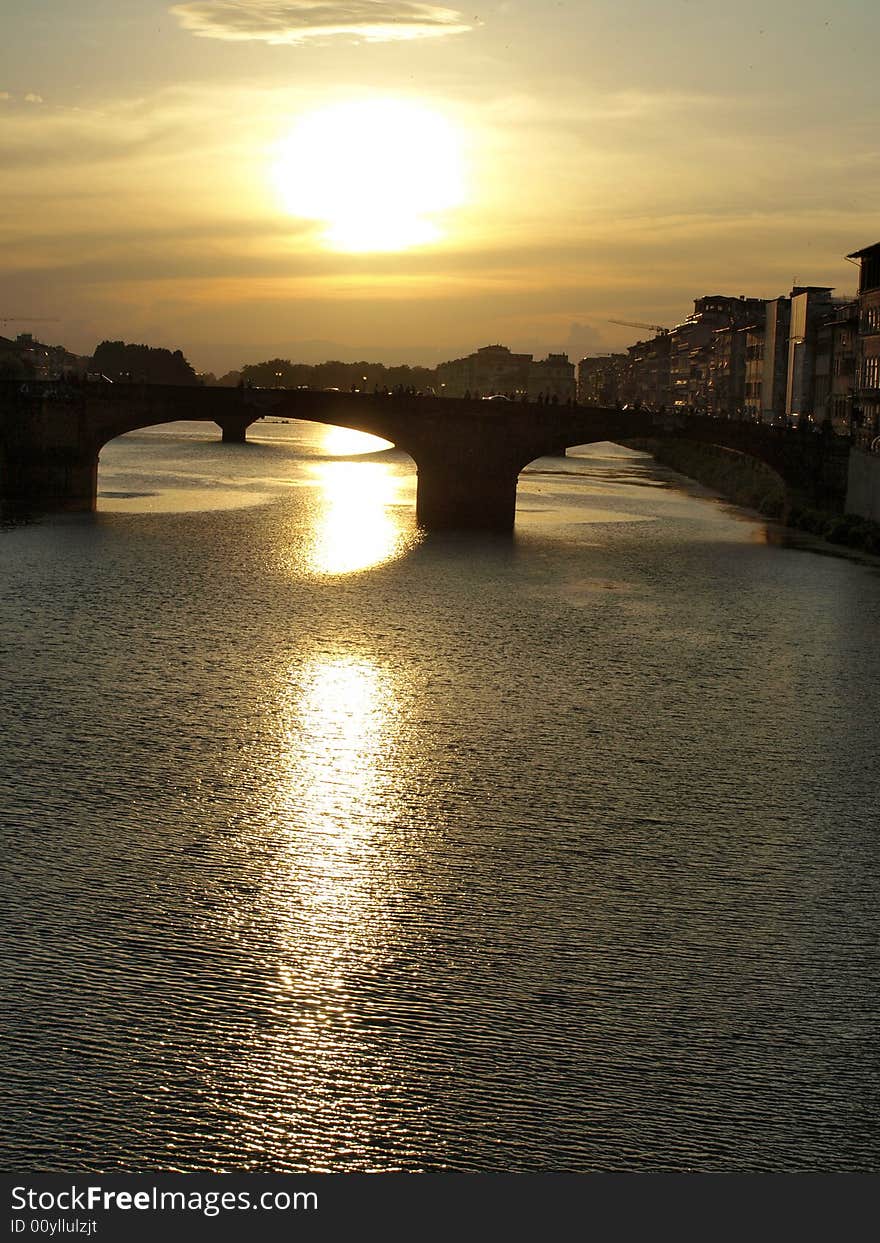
(495, 369)
(28, 357)
(811, 306)
(774, 373)
(491, 369)
(646, 374)
(866, 397)
(601, 379)
(552, 379)
(693, 351)
(835, 367)
(726, 398)
(754, 371)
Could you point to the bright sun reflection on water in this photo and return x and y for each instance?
(333, 799)
(343, 710)
(326, 900)
(355, 528)
(346, 442)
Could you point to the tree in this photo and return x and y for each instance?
(274, 373)
(142, 364)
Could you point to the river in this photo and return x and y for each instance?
(334, 847)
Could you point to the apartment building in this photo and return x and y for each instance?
(866, 397)
(726, 389)
(645, 375)
(835, 365)
(600, 379)
(753, 382)
(811, 306)
(774, 371)
(692, 346)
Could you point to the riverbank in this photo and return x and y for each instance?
(746, 481)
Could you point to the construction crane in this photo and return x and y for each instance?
(631, 323)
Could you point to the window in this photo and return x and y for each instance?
(871, 373)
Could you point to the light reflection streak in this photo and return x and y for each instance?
(333, 795)
(327, 911)
(355, 529)
(344, 441)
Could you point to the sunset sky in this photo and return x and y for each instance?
(407, 181)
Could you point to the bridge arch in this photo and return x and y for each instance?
(806, 466)
(325, 453)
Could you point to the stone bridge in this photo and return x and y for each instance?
(468, 453)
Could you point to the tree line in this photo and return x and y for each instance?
(124, 362)
(142, 364)
(364, 376)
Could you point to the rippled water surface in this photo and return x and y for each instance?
(331, 846)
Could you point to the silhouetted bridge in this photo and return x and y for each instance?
(468, 453)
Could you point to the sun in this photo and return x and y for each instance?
(379, 173)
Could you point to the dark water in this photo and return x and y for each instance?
(333, 847)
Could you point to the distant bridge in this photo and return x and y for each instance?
(468, 453)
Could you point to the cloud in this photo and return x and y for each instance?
(30, 98)
(295, 21)
(41, 137)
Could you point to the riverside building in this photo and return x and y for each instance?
(866, 397)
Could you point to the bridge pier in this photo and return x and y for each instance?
(461, 496)
(234, 428)
(54, 480)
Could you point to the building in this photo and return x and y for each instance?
(646, 374)
(866, 398)
(811, 306)
(495, 369)
(492, 369)
(835, 367)
(692, 347)
(601, 379)
(754, 371)
(552, 379)
(774, 353)
(804, 356)
(726, 395)
(10, 363)
(28, 357)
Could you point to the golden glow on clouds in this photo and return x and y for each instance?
(376, 172)
(296, 21)
(138, 216)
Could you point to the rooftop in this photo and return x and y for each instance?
(866, 253)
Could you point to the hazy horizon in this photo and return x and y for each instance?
(223, 356)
